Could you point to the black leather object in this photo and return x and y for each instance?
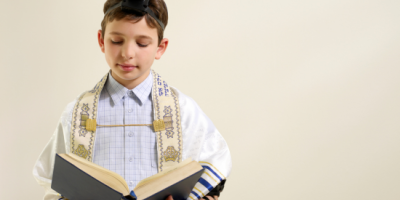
(217, 190)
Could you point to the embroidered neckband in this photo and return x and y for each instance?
(139, 6)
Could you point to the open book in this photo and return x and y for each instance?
(78, 179)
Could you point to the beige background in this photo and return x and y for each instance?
(306, 93)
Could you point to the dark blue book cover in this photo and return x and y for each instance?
(75, 184)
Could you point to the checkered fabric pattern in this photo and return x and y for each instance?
(129, 151)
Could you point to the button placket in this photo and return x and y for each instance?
(130, 93)
(129, 161)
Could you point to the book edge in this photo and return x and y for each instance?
(201, 170)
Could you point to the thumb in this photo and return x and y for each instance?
(169, 198)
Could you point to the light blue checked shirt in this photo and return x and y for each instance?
(129, 151)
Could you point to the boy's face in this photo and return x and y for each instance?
(130, 49)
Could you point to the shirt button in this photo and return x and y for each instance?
(130, 159)
(130, 134)
(131, 183)
(130, 110)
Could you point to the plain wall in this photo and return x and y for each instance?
(306, 93)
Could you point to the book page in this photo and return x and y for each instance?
(155, 176)
(179, 179)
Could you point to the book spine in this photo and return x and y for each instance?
(131, 196)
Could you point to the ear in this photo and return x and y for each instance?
(161, 48)
(101, 40)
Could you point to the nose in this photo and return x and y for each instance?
(128, 51)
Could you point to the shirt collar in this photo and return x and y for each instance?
(118, 91)
(143, 90)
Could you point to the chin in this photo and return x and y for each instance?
(128, 78)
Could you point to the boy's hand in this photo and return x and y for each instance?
(205, 198)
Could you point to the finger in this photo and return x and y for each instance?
(215, 197)
(169, 198)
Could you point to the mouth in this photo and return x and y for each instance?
(127, 67)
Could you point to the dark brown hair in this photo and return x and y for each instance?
(157, 6)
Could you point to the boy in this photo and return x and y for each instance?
(132, 122)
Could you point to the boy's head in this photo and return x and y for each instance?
(158, 7)
(132, 40)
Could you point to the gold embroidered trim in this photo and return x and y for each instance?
(158, 125)
(91, 124)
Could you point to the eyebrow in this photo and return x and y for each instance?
(139, 36)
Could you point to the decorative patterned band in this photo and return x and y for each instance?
(167, 113)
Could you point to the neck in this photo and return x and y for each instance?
(130, 84)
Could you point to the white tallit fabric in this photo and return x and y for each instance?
(201, 142)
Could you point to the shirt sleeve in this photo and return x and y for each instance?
(58, 143)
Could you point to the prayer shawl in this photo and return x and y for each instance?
(185, 132)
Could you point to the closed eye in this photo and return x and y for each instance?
(115, 42)
(142, 45)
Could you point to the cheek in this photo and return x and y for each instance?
(147, 54)
(111, 55)
(111, 51)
